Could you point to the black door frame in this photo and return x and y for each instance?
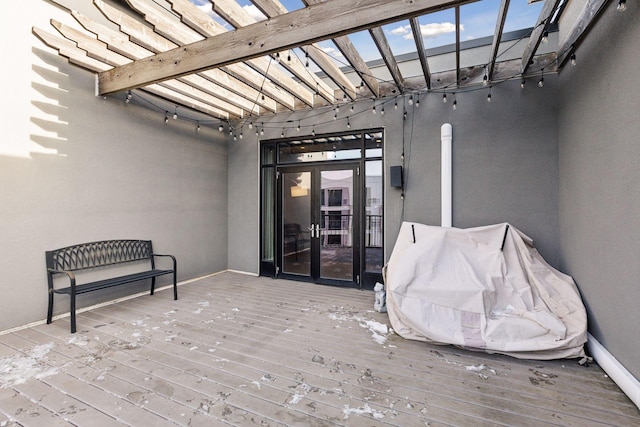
(316, 169)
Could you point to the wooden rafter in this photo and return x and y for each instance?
(457, 12)
(79, 57)
(544, 19)
(271, 8)
(235, 15)
(354, 58)
(118, 42)
(237, 78)
(422, 54)
(302, 26)
(169, 26)
(96, 49)
(387, 56)
(497, 36)
(584, 23)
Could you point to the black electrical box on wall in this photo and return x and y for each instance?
(395, 176)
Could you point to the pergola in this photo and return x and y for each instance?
(186, 56)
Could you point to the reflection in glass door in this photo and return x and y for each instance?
(336, 224)
(319, 223)
(296, 223)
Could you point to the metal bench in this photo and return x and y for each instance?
(94, 255)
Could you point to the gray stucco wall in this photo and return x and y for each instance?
(599, 137)
(77, 168)
(504, 152)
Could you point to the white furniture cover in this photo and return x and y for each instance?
(484, 288)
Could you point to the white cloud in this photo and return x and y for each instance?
(429, 31)
(437, 29)
(333, 52)
(254, 12)
(405, 29)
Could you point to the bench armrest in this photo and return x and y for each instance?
(70, 274)
(170, 256)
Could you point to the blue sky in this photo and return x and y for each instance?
(477, 20)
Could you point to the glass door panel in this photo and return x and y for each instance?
(336, 224)
(296, 223)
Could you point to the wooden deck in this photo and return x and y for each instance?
(249, 351)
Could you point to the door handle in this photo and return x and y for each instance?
(311, 230)
(318, 231)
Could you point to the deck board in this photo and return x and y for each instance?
(242, 350)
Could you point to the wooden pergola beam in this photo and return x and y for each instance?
(497, 36)
(422, 55)
(271, 8)
(544, 19)
(235, 15)
(387, 56)
(584, 23)
(314, 23)
(119, 43)
(237, 78)
(354, 58)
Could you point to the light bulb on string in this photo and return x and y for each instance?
(166, 117)
(417, 101)
(373, 110)
(352, 107)
(522, 83)
(410, 99)
(129, 96)
(573, 59)
(404, 115)
(262, 131)
(313, 131)
(241, 134)
(197, 126)
(541, 81)
(250, 125)
(489, 96)
(545, 37)
(455, 102)
(282, 133)
(485, 78)
(220, 128)
(382, 110)
(348, 124)
(298, 127)
(622, 5)
(444, 98)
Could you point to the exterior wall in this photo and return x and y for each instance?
(77, 168)
(599, 134)
(503, 171)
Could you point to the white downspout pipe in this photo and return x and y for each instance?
(446, 135)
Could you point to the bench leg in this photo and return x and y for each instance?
(50, 308)
(175, 286)
(72, 312)
(153, 285)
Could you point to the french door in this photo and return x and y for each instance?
(318, 217)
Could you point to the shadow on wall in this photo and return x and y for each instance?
(53, 116)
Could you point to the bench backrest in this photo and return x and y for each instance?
(99, 254)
